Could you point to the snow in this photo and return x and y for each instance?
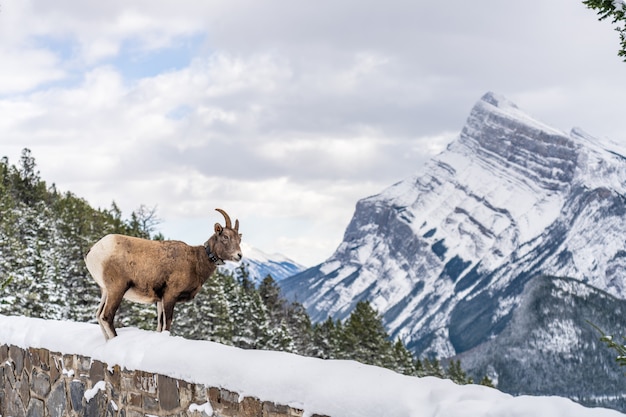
(560, 336)
(202, 408)
(332, 387)
(260, 264)
(90, 393)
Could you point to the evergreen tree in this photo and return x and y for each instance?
(403, 360)
(486, 381)
(420, 371)
(27, 185)
(432, 367)
(280, 336)
(326, 337)
(300, 329)
(216, 321)
(247, 310)
(364, 337)
(243, 277)
(270, 294)
(456, 374)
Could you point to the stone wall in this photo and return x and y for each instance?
(40, 383)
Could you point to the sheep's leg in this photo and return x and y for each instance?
(160, 315)
(99, 312)
(107, 313)
(168, 312)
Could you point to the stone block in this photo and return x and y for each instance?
(83, 364)
(24, 388)
(150, 404)
(114, 377)
(43, 359)
(13, 406)
(168, 393)
(295, 412)
(185, 393)
(77, 395)
(250, 407)
(112, 409)
(135, 400)
(145, 381)
(35, 408)
(224, 402)
(199, 394)
(33, 355)
(56, 366)
(4, 353)
(17, 357)
(28, 363)
(214, 395)
(133, 413)
(57, 401)
(96, 407)
(127, 381)
(271, 409)
(96, 372)
(229, 396)
(9, 373)
(40, 384)
(67, 362)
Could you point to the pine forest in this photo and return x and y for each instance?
(44, 235)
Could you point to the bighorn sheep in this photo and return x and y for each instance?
(148, 271)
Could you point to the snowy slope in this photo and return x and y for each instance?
(261, 264)
(444, 255)
(334, 388)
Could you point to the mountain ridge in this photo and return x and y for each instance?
(454, 244)
(260, 264)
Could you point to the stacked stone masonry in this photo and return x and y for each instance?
(40, 383)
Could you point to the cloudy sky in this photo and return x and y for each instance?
(284, 113)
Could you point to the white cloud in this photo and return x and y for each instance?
(26, 69)
(283, 113)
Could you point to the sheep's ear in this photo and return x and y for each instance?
(218, 228)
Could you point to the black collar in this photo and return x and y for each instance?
(213, 257)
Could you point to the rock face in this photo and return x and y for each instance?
(445, 255)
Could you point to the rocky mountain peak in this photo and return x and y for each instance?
(445, 254)
(506, 138)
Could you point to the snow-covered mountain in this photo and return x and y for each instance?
(445, 254)
(260, 264)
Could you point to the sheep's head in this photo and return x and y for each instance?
(226, 240)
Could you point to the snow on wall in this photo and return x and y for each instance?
(153, 373)
(38, 382)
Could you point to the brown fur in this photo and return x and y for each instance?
(147, 271)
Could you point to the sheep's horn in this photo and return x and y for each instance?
(228, 223)
(236, 225)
